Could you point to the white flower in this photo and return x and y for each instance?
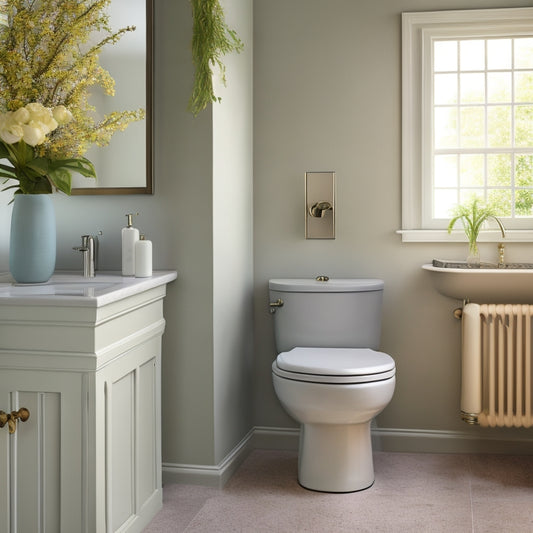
(43, 115)
(21, 115)
(10, 130)
(62, 114)
(34, 133)
(31, 123)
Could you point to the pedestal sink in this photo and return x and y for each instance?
(491, 283)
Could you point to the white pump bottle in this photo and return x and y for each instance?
(130, 236)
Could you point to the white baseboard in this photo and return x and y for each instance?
(433, 441)
(383, 439)
(209, 475)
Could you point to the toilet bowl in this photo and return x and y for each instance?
(334, 404)
(335, 389)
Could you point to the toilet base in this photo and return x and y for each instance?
(335, 458)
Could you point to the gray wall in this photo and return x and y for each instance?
(327, 93)
(326, 97)
(201, 165)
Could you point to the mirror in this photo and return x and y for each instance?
(125, 165)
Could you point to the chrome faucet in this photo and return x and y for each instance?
(89, 249)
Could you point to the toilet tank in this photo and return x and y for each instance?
(338, 313)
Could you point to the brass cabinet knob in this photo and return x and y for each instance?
(11, 418)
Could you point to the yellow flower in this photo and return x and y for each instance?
(41, 60)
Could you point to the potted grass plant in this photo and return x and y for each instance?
(473, 215)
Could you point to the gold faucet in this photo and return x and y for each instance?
(501, 255)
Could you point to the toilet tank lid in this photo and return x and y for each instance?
(332, 285)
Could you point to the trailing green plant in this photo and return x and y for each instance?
(212, 38)
(473, 214)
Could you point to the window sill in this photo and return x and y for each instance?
(441, 235)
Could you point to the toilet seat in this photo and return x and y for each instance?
(334, 365)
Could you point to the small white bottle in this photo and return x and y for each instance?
(143, 258)
(130, 236)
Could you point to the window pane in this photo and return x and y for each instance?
(524, 86)
(472, 170)
(467, 195)
(445, 171)
(472, 127)
(472, 55)
(523, 53)
(499, 87)
(472, 88)
(523, 125)
(446, 127)
(445, 90)
(443, 202)
(524, 170)
(445, 56)
(502, 201)
(499, 126)
(499, 169)
(524, 203)
(499, 54)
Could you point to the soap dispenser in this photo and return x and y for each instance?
(130, 236)
(143, 258)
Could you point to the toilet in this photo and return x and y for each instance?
(329, 376)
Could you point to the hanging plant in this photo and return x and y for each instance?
(211, 40)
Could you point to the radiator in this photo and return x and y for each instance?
(496, 365)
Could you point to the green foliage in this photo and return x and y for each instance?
(473, 214)
(211, 40)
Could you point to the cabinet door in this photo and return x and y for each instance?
(131, 440)
(41, 463)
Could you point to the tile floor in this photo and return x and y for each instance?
(414, 493)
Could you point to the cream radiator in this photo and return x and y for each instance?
(496, 365)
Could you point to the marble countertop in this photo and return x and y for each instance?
(72, 289)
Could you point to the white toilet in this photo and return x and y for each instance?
(329, 377)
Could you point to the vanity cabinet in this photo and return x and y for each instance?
(85, 359)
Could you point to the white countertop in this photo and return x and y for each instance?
(71, 288)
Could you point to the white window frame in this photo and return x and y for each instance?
(418, 30)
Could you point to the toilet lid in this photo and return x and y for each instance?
(334, 365)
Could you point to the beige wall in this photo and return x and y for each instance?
(327, 93)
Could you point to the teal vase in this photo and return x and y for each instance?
(32, 247)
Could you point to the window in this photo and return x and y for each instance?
(467, 117)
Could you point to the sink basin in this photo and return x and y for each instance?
(71, 288)
(510, 283)
(65, 289)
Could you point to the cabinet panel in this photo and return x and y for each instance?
(121, 397)
(35, 462)
(4, 465)
(132, 437)
(147, 432)
(39, 483)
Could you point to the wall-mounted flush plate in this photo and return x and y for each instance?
(320, 205)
